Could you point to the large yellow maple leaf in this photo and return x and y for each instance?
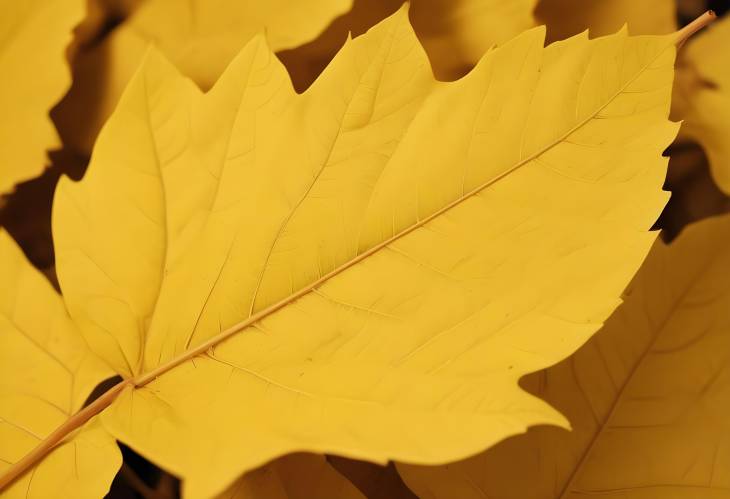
(647, 396)
(367, 268)
(33, 38)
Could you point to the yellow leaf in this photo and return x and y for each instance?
(33, 37)
(47, 372)
(203, 36)
(647, 396)
(702, 95)
(295, 476)
(384, 256)
(566, 18)
(456, 33)
(200, 37)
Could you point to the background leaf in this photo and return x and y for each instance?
(566, 18)
(36, 331)
(294, 476)
(702, 98)
(200, 37)
(34, 35)
(647, 396)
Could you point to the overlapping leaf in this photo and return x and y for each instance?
(702, 98)
(456, 33)
(33, 38)
(46, 373)
(566, 18)
(200, 37)
(295, 476)
(647, 397)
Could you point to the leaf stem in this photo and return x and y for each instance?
(98, 405)
(683, 34)
(68, 426)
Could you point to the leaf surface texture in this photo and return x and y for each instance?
(390, 219)
(647, 396)
(456, 33)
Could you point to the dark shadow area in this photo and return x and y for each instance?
(80, 114)
(373, 480)
(26, 212)
(307, 61)
(140, 479)
(695, 196)
(101, 388)
(721, 7)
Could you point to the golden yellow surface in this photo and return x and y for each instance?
(512, 207)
